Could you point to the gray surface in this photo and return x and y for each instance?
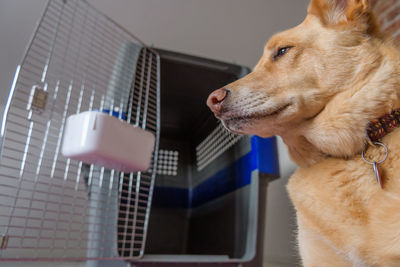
(226, 227)
(17, 22)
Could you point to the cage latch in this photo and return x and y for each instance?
(38, 98)
(4, 242)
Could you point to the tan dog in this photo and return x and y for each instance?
(318, 85)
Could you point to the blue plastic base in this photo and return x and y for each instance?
(262, 156)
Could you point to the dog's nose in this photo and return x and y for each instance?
(216, 98)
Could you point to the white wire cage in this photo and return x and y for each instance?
(54, 208)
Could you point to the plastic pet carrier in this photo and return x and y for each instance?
(209, 196)
(108, 152)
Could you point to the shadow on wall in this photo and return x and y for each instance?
(280, 228)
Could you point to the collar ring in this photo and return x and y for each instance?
(374, 162)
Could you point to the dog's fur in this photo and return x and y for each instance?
(340, 73)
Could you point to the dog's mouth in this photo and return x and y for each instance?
(256, 115)
(239, 123)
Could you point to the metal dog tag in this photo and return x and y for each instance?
(377, 174)
(375, 164)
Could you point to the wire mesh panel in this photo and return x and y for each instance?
(52, 207)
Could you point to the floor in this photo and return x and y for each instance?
(42, 264)
(82, 264)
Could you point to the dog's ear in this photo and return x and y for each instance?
(355, 12)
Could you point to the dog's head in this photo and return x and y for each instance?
(303, 70)
(300, 71)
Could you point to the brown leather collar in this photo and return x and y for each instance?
(382, 126)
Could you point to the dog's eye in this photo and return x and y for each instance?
(281, 51)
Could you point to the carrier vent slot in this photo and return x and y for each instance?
(215, 144)
(167, 162)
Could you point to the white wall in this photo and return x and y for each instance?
(17, 21)
(228, 30)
